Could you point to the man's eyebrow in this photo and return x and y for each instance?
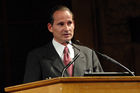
(60, 23)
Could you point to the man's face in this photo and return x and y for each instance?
(63, 26)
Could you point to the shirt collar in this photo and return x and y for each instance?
(60, 48)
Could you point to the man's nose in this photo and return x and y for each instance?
(66, 28)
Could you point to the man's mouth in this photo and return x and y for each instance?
(67, 34)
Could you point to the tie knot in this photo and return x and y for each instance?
(67, 58)
(66, 49)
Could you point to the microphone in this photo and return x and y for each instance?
(71, 62)
(114, 61)
(111, 60)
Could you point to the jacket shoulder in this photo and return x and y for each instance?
(42, 50)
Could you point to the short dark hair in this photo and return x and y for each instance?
(57, 8)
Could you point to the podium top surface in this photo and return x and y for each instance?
(73, 80)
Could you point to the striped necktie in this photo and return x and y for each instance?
(67, 59)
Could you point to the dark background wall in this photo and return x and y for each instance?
(111, 27)
(23, 28)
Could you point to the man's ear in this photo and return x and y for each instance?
(49, 27)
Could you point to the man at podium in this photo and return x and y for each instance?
(50, 60)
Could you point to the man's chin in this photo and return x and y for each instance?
(68, 39)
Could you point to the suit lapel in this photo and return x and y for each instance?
(59, 65)
(80, 64)
(56, 61)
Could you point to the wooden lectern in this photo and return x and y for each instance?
(96, 84)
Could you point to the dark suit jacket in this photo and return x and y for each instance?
(45, 62)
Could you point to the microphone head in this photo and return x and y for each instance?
(77, 41)
(67, 42)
